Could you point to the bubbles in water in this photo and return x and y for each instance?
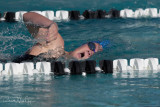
(14, 39)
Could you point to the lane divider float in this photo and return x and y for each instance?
(62, 15)
(80, 67)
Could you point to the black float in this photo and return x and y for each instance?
(57, 68)
(101, 14)
(106, 66)
(74, 15)
(90, 66)
(113, 13)
(88, 14)
(9, 16)
(76, 67)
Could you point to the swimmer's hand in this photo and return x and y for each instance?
(46, 35)
(52, 33)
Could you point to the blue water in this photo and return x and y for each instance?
(100, 90)
(129, 38)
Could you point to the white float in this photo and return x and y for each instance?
(48, 14)
(150, 12)
(27, 68)
(1, 67)
(39, 12)
(137, 63)
(120, 64)
(19, 15)
(62, 15)
(44, 67)
(138, 13)
(13, 68)
(151, 63)
(127, 13)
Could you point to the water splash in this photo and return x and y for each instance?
(14, 39)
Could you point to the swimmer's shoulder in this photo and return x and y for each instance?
(36, 50)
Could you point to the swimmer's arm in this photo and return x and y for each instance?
(47, 30)
(37, 19)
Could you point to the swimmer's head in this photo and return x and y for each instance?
(85, 51)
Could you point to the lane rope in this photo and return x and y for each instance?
(64, 15)
(80, 67)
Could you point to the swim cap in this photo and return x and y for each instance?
(104, 43)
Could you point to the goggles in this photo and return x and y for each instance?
(91, 46)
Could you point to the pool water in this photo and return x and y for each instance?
(98, 90)
(129, 38)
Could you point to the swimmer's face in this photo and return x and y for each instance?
(84, 52)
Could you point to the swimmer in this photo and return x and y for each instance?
(50, 43)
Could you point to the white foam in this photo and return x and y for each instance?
(84, 74)
(67, 70)
(98, 69)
